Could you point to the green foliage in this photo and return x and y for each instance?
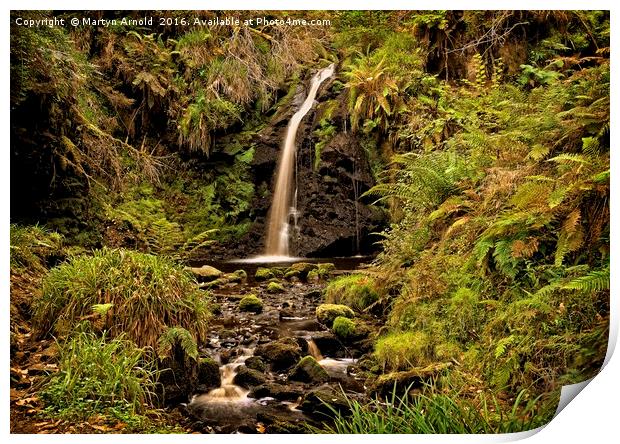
(98, 373)
(177, 337)
(149, 294)
(355, 290)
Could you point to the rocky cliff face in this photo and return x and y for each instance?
(331, 220)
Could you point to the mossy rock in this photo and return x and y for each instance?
(217, 283)
(308, 370)
(326, 268)
(251, 303)
(281, 354)
(291, 274)
(206, 273)
(255, 363)
(326, 313)
(416, 378)
(264, 274)
(275, 287)
(282, 392)
(344, 328)
(208, 374)
(313, 402)
(242, 274)
(313, 276)
(303, 268)
(247, 377)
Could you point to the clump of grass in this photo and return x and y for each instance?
(148, 294)
(98, 373)
(439, 413)
(401, 350)
(355, 290)
(32, 246)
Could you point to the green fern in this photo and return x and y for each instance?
(596, 280)
(177, 336)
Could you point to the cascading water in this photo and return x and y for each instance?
(278, 227)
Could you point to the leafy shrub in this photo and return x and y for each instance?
(402, 350)
(97, 373)
(148, 294)
(355, 290)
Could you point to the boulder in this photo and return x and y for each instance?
(208, 375)
(255, 363)
(247, 377)
(206, 273)
(308, 370)
(281, 354)
(277, 391)
(326, 313)
(313, 402)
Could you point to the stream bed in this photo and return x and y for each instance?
(257, 352)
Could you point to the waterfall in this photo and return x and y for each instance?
(282, 208)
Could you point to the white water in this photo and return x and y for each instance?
(282, 208)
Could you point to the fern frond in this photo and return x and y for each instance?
(596, 280)
(177, 336)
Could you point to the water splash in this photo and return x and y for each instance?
(278, 227)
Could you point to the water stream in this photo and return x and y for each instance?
(282, 207)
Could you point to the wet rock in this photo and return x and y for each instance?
(251, 303)
(313, 402)
(308, 370)
(208, 375)
(206, 273)
(227, 334)
(277, 391)
(279, 423)
(241, 274)
(275, 287)
(328, 343)
(313, 295)
(281, 354)
(413, 379)
(291, 274)
(247, 377)
(255, 363)
(326, 313)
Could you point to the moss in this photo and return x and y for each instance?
(264, 274)
(326, 313)
(206, 273)
(355, 290)
(344, 327)
(275, 287)
(290, 274)
(33, 247)
(402, 350)
(251, 303)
